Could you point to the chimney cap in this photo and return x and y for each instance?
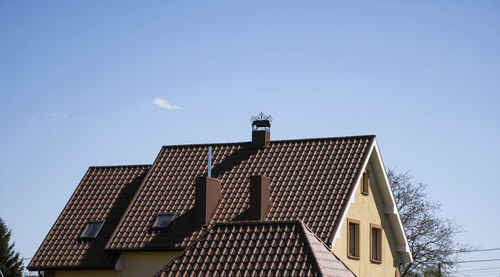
(261, 122)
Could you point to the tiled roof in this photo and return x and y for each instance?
(103, 194)
(257, 249)
(311, 180)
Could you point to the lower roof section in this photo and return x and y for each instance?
(257, 248)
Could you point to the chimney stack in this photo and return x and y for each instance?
(259, 197)
(261, 126)
(261, 138)
(208, 193)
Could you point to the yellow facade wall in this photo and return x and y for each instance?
(134, 264)
(368, 209)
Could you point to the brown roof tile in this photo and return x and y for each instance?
(257, 249)
(103, 194)
(311, 180)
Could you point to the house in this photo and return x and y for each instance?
(319, 206)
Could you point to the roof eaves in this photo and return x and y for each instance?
(394, 218)
(40, 268)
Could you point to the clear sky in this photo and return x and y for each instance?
(78, 80)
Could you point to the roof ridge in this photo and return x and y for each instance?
(324, 138)
(304, 229)
(272, 141)
(119, 166)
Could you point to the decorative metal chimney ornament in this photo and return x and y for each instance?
(261, 122)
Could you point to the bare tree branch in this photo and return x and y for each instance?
(431, 238)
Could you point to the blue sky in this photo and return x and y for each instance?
(78, 80)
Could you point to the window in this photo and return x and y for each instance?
(92, 229)
(353, 238)
(365, 183)
(375, 243)
(164, 220)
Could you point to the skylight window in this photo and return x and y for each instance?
(163, 220)
(92, 229)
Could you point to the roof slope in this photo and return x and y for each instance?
(311, 180)
(103, 193)
(257, 248)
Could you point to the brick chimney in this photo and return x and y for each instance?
(208, 193)
(261, 138)
(259, 197)
(261, 125)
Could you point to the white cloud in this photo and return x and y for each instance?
(56, 114)
(49, 115)
(162, 103)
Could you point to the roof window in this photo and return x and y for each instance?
(163, 220)
(92, 229)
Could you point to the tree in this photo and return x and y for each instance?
(11, 263)
(430, 237)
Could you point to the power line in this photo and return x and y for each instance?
(477, 261)
(468, 250)
(477, 250)
(474, 266)
(465, 261)
(477, 269)
(469, 261)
